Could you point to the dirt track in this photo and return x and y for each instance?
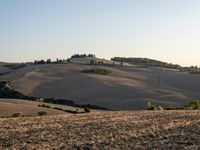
(110, 130)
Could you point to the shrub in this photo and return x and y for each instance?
(150, 106)
(86, 109)
(58, 108)
(42, 113)
(170, 107)
(77, 111)
(194, 104)
(17, 114)
(46, 106)
(98, 71)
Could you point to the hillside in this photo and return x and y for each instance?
(108, 130)
(10, 106)
(146, 62)
(127, 87)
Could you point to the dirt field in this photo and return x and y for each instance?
(126, 88)
(108, 130)
(10, 106)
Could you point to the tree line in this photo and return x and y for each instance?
(146, 62)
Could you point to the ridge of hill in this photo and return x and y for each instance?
(146, 62)
(126, 88)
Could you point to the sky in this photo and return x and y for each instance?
(167, 30)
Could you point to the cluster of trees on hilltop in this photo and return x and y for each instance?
(192, 69)
(145, 62)
(83, 55)
(48, 61)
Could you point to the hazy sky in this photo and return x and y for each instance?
(167, 30)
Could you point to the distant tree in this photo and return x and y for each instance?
(39, 62)
(35, 62)
(48, 61)
(82, 56)
(91, 55)
(121, 63)
(92, 62)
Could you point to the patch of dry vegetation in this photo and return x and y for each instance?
(104, 130)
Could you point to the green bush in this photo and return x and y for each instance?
(42, 113)
(194, 104)
(150, 106)
(17, 114)
(170, 107)
(98, 71)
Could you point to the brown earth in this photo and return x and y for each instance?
(126, 88)
(105, 130)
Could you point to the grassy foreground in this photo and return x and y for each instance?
(104, 130)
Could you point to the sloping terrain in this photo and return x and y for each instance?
(87, 60)
(108, 130)
(10, 106)
(127, 87)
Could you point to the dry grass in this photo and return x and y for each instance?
(10, 106)
(105, 130)
(127, 88)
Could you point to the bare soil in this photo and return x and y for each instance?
(104, 130)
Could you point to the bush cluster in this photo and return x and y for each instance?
(49, 61)
(42, 113)
(82, 56)
(98, 71)
(194, 104)
(17, 114)
(86, 109)
(150, 106)
(15, 66)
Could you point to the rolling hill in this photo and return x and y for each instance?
(10, 106)
(127, 88)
